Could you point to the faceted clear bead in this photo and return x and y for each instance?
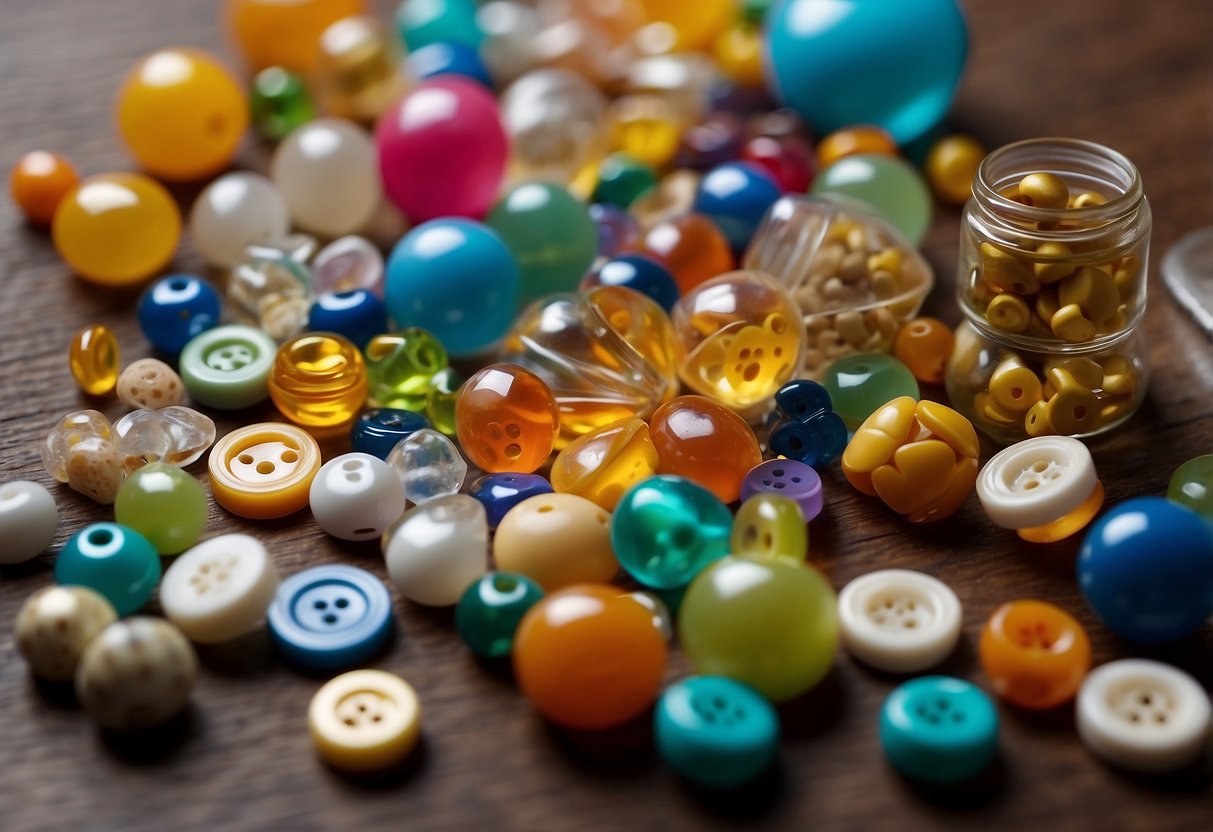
(275, 273)
(174, 435)
(429, 465)
(348, 263)
(71, 430)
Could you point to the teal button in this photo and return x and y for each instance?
(115, 561)
(939, 729)
(490, 610)
(228, 367)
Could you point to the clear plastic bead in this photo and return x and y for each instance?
(348, 263)
(71, 430)
(271, 289)
(429, 465)
(174, 435)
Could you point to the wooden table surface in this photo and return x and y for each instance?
(1131, 75)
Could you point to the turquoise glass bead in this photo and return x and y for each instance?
(424, 22)
(715, 732)
(859, 385)
(115, 561)
(165, 505)
(489, 611)
(939, 729)
(228, 368)
(666, 530)
(1192, 485)
(622, 180)
(890, 185)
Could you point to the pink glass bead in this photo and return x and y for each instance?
(347, 264)
(787, 478)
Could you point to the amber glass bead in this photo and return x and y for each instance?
(284, 33)
(705, 442)
(924, 345)
(94, 359)
(692, 247)
(506, 419)
(602, 465)
(853, 141)
(738, 52)
(318, 380)
(39, 182)
(358, 69)
(951, 165)
(646, 128)
(1035, 654)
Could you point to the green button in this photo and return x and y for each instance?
(228, 367)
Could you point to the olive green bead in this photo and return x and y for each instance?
(279, 102)
(164, 504)
(622, 180)
(1192, 485)
(888, 184)
(769, 525)
(440, 401)
(859, 385)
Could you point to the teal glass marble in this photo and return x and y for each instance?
(425, 22)
(550, 234)
(667, 529)
(622, 180)
(400, 367)
(1192, 485)
(279, 102)
(844, 62)
(860, 384)
(441, 397)
(715, 732)
(115, 561)
(164, 504)
(939, 729)
(894, 189)
(489, 611)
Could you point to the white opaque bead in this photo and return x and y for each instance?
(28, 520)
(328, 174)
(1036, 481)
(54, 626)
(234, 211)
(220, 589)
(428, 464)
(437, 550)
(356, 497)
(899, 621)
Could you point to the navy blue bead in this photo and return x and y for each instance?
(330, 617)
(357, 314)
(642, 274)
(501, 492)
(809, 430)
(448, 58)
(176, 308)
(376, 432)
(800, 399)
(736, 196)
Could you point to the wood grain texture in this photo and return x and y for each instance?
(1131, 75)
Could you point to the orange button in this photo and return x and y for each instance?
(1035, 654)
(264, 470)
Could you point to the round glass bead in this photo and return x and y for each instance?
(116, 561)
(354, 313)
(448, 58)
(622, 180)
(1192, 485)
(279, 102)
(859, 384)
(378, 431)
(94, 359)
(165, 505)
(318, 380)
(348, 263)
(401, 366)
(490, 610)
(640, 274)
(175, 309)
(889, 184)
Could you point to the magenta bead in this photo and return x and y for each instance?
(442, 150)
(787, 478)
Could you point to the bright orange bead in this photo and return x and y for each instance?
(691, 247)
(924, 345)
(589, 657)
(852, 141)
(506, 419)
(39, 182)
(285, 33)
(1035, 654)
(705, 442)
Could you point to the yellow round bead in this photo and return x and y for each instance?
(1004, 272)
(738, 53)
(1071, 325)
(1044, 190)
(1051, 268)
(1091, 290)
(1087, 199)
(951, 165)
(1014, 387)
(646, 128)
(1008, 313)
(94, 359)
(696, 23)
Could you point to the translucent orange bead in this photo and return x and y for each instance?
(951, 165)
(506, 419)
(38, 183)
(94, 359)
(705, 442)
(738, 52)
(852, 141)
(318, 380)
(602, 465)
(1035, 654)
(284, 33)
(691, 247)
(924, 345)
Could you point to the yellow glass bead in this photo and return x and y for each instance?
(602, 465)
(1008, 313)
(1004, 272)
(646, 128)
(284, 33)
(1073, 410)
(94, 359)
(696, 23)
(1093, 291)
(1044, 190)
(951, 165)
(318, 380)
(1068, 524)
(117, 229)
(1014, 387)
(1036, 423)
(357, 69)
(738, 52)
(1051, 267)
(1069, 324)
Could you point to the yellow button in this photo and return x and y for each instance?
(264, 470)
(364, 720)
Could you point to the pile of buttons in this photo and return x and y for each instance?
(603, 211)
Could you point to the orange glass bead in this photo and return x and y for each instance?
(1035, 654)
(852, 141)
(588, 657)
(94, 360)
(318, 380)
(506, 419)
(284, 33)
(705, 442)
(691, 247)
(602, 465)
(924, 345)
(38, 183)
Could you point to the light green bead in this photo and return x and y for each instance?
(1192, 485)
(768, 525)
(888, 184)
(440, 404)
(859, 385)
(279, 102)
(228, 367)
(164, 504)
(400, 367)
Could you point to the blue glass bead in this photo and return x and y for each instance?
(641, 274)
(736, 196)
(939, 729)
(802, 399)
(423, 22)
(357, 314)
(456, 279)
(377, 432)
(489, 612)
(715, 732)
(844, 62)
(806, 429)
(448, 58)
(618, 230)
(176, 308)
(114, 560)
(330, 617)
(501, 492)
(1146, 569)
(666, 530)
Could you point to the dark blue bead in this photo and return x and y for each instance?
(642, 274)
(176, 308)
(376, 432)
(800, 399)
(501, 492)
(357, 314)
(817, 441)
(448, 58)
(736, 196)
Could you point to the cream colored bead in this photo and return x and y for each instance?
(150, 383)
(54, 626)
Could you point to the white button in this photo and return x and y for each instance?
(356, 497)
(899, 621)
(364, 720)
(28, 519)
(1143, 715)
(1036, 481)
(220, 589)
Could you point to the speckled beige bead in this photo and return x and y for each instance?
(54, 626)
(136, 674)
(94, 468)
(150, 383)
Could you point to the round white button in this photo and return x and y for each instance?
(1143, 715)
(220, 589)
(899, 621)
(356, 497)
(1036, 481)
(364, 720)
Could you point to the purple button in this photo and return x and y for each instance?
(788, 478)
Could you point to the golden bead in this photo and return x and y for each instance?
(1093, 291)
(1074, 410)
(1053, 268)
(1011, 192)
(1087, 199)
(1036, 423)
(951, 165)
(886, 260)
(1044, 190)
(1084, 371)
(1005, 272)
(1119, 378)
(1047, 304)
(992, 411)
(1014, 387)
(1008, 313)
(1069, 324)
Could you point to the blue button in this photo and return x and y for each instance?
(376, 432)
(175, 309)
(357, 314)
(715, 732)
(501, 492)
(330, 617)
(939, 729)
(806, 428)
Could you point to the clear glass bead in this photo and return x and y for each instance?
(174, 435)
(70, 431)
(429, 465)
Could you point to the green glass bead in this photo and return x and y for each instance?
(164, 504)
(622, 180)
(440, 403)
(755, 11)
(228, 367)
(115, 561)
(769, 525)
(888, 184)
(1192, 485)
(771, 624)
(400, 366)
(860, 384)
(550, 234)
(489, 611)
(279, 102)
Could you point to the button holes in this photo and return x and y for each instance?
(349, 721)
(1017, 392)
(767, 483)
(778, 472)
(100, 537)
(321, 605)
(911, 605)
(750, 535)
(779, 352)
(1030, 484)
(376, 718)
(513, 431)
(265, 467)
(513, 450)
(361, 708)
(744, 354)
(233, 562)
(768, 541)
(354, 477)
(205, 568)
(1080, 413)
(245, 459)
(1144, 699)
(341, 603)
(781, 485)
(1160, 718)
(329, 618)
(1040, 467)
(957, 716)
(351, 464)
(504, 583)
(1134, 716)
(888, 603)
(719, 703)
(796, 479)
(943, 704)
(910, 623)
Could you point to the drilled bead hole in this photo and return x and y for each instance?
(101, 537)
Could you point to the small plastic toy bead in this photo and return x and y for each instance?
(1035, 654)
(1192, 485)
(488, 614)
(401, 366)
(506, 419)
(220, 589)
(787, 477)
(175, 309)
(94, 359)
(150, 383)
(347, 264)
(39, 182)
(806, 428)
(622, 180)
(264, 470)
(556, 540)
(705, 442)
(235, 210)
(1143, 715)
(770, 624)
(54, 626)
(355, 314)
(1145, 570)
(448, 58)
(165, 505)
(279, 103)
(329, 617)
(788, 161)
(769, 525)
(29, 519)
(356, 497)
(639, 273)
(603, 464)
(854, 141)
(666, 530)
(951, 165)
(860, 384)
(715, 732)
(736, 196)
(378, 431)
(174, 435)
(438, 549)
(441, 398)
(939, 729)
(499, 493)
(228, 367)
(136, 674)
(1045, 487)
(924, 346)
(319, 380)
(899, 621)
(588, 657)
(691, 247)
(428, 465)
(364, 721)
(116, 561)
(271, 33)
(327, 174)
